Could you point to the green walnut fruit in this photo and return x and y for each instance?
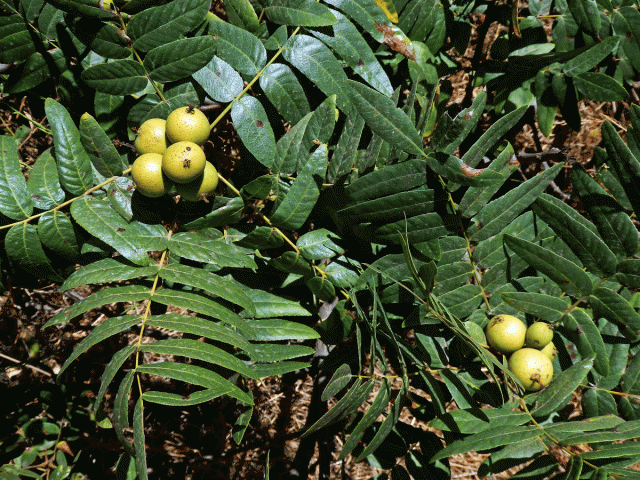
(550, 351)
(532, 367)
(148, 175)
(188, 124)
(183, 162)
(151, 136)
(506, 333)
(201, 187)
(539, 335)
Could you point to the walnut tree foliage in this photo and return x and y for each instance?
(356, 184)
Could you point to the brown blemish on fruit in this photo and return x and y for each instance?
(190, 108)
(186, 163)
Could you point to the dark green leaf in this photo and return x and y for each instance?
(273, 352)
(242, 14)
(17, 42)
(89, 8)
(179, 59)
(121, 411)
(43, 183)
(101, 220)
(130, 293)
(569, 276)
(304, 192)
(385, 119)
(270, 305)
(74, 166)
(340, 378)
(98, 145)
(475, 420)
(275, 329)
(24, 248)
(35, 70)
(163, 24)
(212, 284)
(56, 232)
(585, 335)
(316, 62)
(184, 347)
(111, 326)
(321, 288)
(239, 48)
(577, 232)
(454, 170)
(599, 87)
(598, 402)
(346, 152)
(305, 13)
(221, 82)
(626, 166)
(284, 91)
(15, 200)
(203, 305)
(196, 375)
(377, 407)
(559, 391)
(110, 372)
(610, 305)
(319, 244)
(199, 248)
(253, 127)
(591, 57)
(201, 327)
(120, 77)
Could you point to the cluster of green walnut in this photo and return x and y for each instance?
(171, 153)
(531, 364)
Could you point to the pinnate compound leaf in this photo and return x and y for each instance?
(74, 166)
(488, 439)
(200, 304)
(499, 213)
(315, 61)
(99, 218)
(253, 127)
(356, 395)
(184, 347)
(625, 164)
(304, 13)
(600, 87)
(585, 335)
(219, 80)
(138, 440)
(199, 248)
(239, 48)
(179, 59)
(121, 77)
(385, 119)
(23, 247)
(340, 378)
(375, 409)
(201, 327)
(43, 183)
(111, 326)
(196, 375)
(15, 200)
(569, 276)
(129, 293)
(284, 91)
(213, 284)
(275, 329)
(304, 192)
(577, 232)
(98, 145)
(556, 395)
(56, 232)
(159, 25)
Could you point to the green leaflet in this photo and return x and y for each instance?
(74, 166)
(15, 201)
(253, 127)
(305, 13)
